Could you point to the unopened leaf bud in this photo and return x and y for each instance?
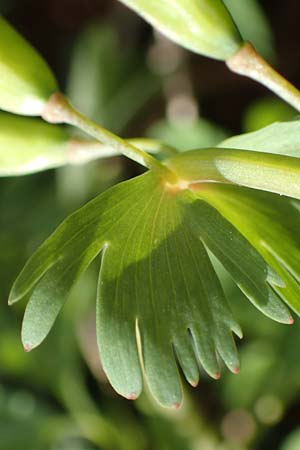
(203, 26)
(26, 81)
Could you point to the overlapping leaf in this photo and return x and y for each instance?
(253, 24)
(258, 170)
(281, 138)
(271, 223)
(159, 299)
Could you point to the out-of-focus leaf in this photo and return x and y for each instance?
(281, 138)
(292, 442)
(30, 145)
(26, 82)
(271, 224)
(266, 111)
(104, 76)
(94, 70)
(258, 170)
(158, 295)
(258, 360)
(204, 26)
(186, 135)
(266, 371)
(252, 24)
(29, 422)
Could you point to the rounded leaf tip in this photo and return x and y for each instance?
(216, 376)
(12, 298)
(176, 405)
(132, 396)
(27, 346)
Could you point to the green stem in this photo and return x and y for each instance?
(153, 146)
(81, 150)
(249, 63)
(60, 110)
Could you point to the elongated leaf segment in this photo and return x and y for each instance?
(26, 82)
(258, 170)
(29, 145)
(271, 224)
(203, 26)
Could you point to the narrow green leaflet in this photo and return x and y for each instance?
(271, 224)
(249, 272)
(257, 170)
(281, 138)
(204, 26)
(159, 300)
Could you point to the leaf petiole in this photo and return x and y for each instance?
(60, 110)
(81, 150)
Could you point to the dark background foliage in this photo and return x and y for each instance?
(135, 83)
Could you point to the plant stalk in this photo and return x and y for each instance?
(60, 110)
(81, 150)
(249, 63)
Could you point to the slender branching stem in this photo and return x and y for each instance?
(249, 63)
(82, 150)
(60, 110)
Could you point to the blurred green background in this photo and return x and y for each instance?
(136, 83)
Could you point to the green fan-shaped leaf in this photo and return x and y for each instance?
(159, 299)
(271, 223)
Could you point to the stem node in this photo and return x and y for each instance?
(249, 63)
(56, 109)
(59, 110)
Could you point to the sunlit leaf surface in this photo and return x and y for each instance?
(159, 299)
(281, 138)
(258, 170)
(204, 26)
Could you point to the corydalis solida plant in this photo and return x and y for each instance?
(159, 298)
